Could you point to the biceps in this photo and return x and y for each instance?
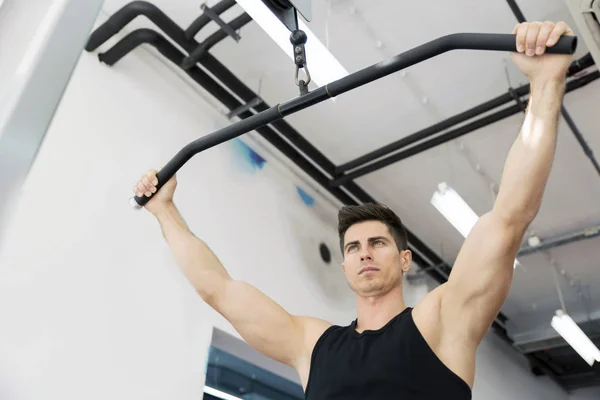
(261, 322)
(480, 279)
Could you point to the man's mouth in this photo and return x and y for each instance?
(367, 269)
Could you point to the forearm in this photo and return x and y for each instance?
(198, 263)
(530, 159)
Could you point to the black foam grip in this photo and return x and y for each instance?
(163, 177)
(508, 42)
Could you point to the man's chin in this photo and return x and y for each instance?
(371, 289)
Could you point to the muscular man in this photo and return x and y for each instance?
(391, 351)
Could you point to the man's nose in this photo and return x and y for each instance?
(366, 255)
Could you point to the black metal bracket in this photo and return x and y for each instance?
(244, 107)
(517, 99)
(216, 18)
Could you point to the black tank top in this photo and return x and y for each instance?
(394, 362)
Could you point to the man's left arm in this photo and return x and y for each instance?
(480, 279)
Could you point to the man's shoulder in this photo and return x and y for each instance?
(313, 328)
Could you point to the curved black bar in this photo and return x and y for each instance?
(203, 20)
(213, 39)
(468, 41)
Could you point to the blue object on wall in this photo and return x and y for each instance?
(252, 158)
(306, 198)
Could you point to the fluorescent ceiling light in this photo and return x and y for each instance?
(221, 395)
(454, 209)
(323, 67)
(449, 203)
(568, 329)
(571, 332)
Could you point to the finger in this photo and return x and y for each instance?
(559, 29)
(152, 175)
(137, 191)
(532, 33)
(521, 37)
(141, 189)
(543, 36)
(149, 186)
(152, 179)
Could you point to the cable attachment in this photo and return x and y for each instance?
(298, 38)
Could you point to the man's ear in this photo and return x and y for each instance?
(406, 256)
(344, 267)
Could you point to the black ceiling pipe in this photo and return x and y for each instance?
(204, 19)
(429, 131)
(455, 133)
(126, 14)
(516, 11)
(436, 141)
(140, 36)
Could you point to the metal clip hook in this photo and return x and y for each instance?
(307, 74)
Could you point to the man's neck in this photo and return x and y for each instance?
(375, 312)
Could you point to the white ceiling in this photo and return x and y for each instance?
(396, 106)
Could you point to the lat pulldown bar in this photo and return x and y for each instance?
(458, 41)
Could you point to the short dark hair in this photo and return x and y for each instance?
(350, 215)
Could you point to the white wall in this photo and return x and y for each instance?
(92, 305)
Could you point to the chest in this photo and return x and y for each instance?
(351, 366)
(396, 364)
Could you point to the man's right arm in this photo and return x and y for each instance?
(261, 322)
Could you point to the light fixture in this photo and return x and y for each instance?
(454, 209)
(572, 333)
(324, 68)
(221, 395)
(449, 203)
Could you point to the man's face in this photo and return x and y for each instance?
(372, 263)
